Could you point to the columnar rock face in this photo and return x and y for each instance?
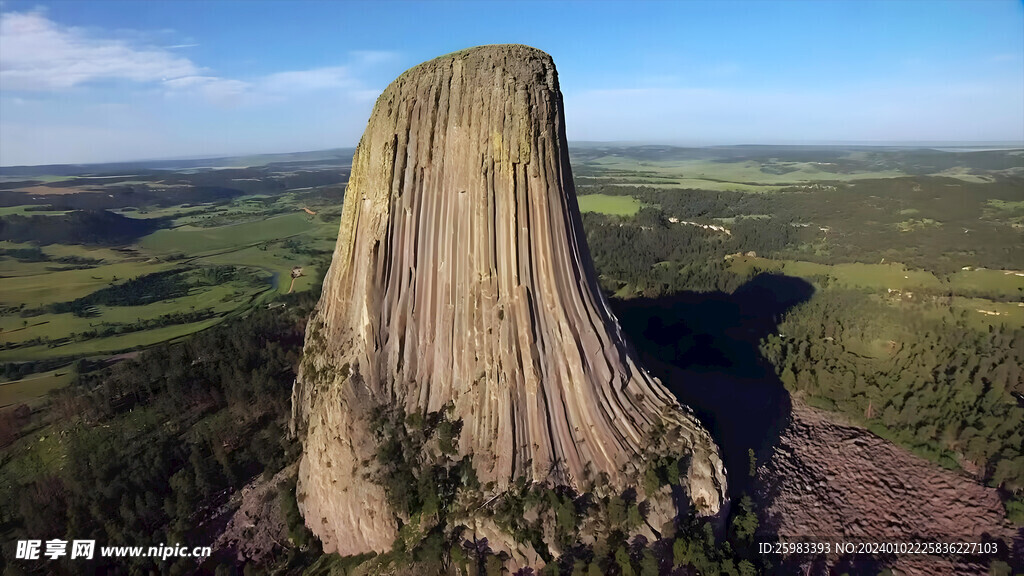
(461, 277)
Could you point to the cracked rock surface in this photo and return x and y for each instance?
(461, 277)
(833, 482)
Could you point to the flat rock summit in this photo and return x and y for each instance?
(461, 281)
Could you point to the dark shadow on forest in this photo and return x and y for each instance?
(704, 348)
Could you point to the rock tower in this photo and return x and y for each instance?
(461, 277)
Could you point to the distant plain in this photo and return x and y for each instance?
(262, 217)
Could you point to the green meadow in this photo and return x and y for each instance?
(196, 240)
(740, 175)
(27, 210)
(220, 299)
(880, 277)
(262, 238)
(275, 260)
(982, 313)
(33, 389)
(1008, 283)
(50, 287)
(606, 204)
(107, 345)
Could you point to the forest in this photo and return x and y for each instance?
(942, 390)
(150, 445)
(915, 372)
(98, 227)
(954, 223)
(146, 449)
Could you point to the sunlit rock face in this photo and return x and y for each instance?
(461, 277)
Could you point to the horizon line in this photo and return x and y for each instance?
(929, 144)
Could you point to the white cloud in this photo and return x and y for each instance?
(146, 100)
(373, 57)
(272, 88)
(221, 91)
(346, 78)
(308, 80)
(37, 54)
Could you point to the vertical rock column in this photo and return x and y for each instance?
(461, 277)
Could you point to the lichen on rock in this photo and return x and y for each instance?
(461, 281)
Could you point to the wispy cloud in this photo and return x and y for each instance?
(36, 54)
(138, 93)
(373, 57)
(272, 88)
(308, 80)
(220, 91)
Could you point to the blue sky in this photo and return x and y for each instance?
(93, 81)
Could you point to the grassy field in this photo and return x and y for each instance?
(743, 175)
(878, 277)
(1008, 283)
(242, 220)
(605, 204)
(108, 255)
(265, 230)
(275, 260)
(50, 287)
(980, 313)
(697, 183)
(270, 245)
(221, 299)
(33, 389)
(895, 276)
(201, 241)
(977, 313)
(108, 345)
(25, 211)
(181, 211)
(1005, 206)
(243, 208)
(11, 268)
